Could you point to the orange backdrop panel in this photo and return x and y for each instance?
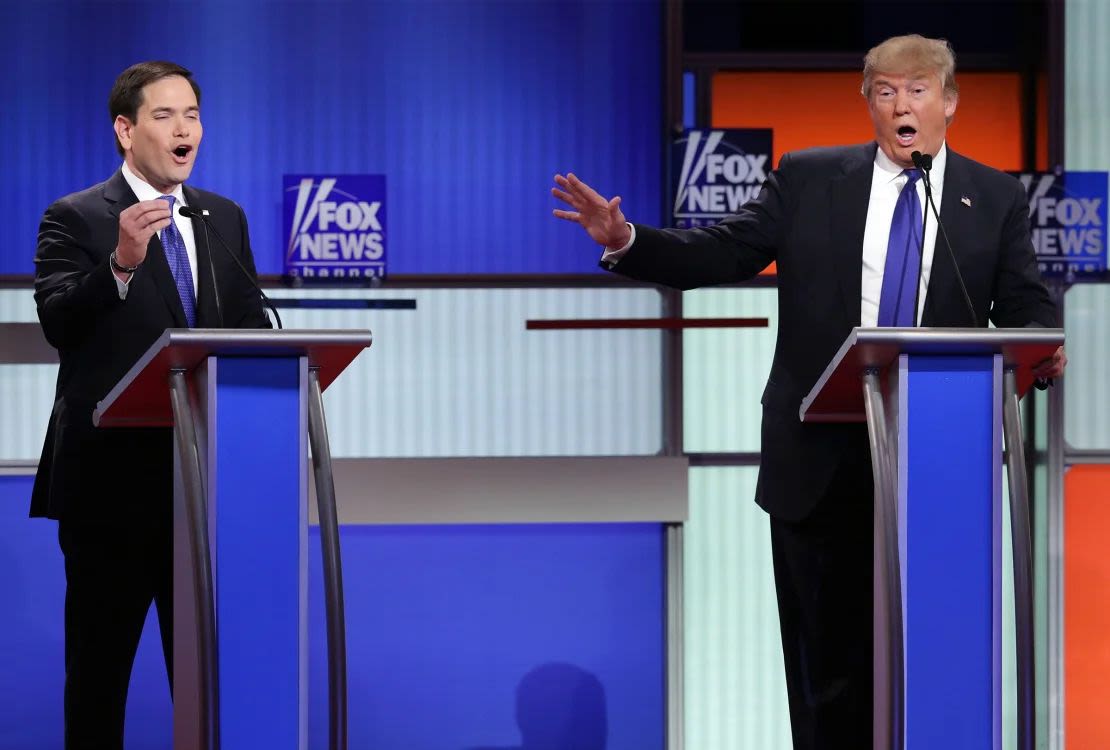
(826, 109)
(819, 108)
(1086, 605)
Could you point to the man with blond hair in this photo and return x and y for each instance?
(846, 239)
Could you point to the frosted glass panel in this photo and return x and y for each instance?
(724, 370)
(1087, 76)
(1087, 325)
(735, 684)
(460, 375)
(26, 391)
(17, 306)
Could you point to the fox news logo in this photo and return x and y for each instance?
(1067, 216)
(335, 226)
(718, 171)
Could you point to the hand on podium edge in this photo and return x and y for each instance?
(1053, 367)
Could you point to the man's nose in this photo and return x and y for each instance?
(901, 103)
(181, 126)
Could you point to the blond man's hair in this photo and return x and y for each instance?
(910, 55)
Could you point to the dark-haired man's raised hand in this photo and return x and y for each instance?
(137, 224)
(602, 219)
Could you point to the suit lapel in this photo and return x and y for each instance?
(850, 194)
(120, 197)
(207, 316)
(955, 211)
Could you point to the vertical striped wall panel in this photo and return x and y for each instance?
(26, 391)
(1087, 325)
(1087, 309)
(458, 376)
(735, 684)
(1087, 72)
(26, 399)
(724, 371)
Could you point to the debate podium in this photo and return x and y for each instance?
(937, 403)
(246, 406)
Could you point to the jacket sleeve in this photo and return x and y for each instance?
(736, 249)
(1019, 297)
(74, 284)
(248, 303)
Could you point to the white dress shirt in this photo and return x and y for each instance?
(144, 192)
(887, 182)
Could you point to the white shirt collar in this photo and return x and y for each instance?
(143, 190)
(936, 174)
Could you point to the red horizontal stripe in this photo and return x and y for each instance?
(656, 323)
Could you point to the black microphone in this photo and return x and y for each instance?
(924, 162)
(202, 214)
(199, 213)
(920, 247)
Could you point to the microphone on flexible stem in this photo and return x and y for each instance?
(924, 162)
(202, 214)
(920, 247)
(183, 210)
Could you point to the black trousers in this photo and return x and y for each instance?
(113, 574)
(823, 579)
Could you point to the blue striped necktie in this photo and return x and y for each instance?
(903, 258)
(178, 258)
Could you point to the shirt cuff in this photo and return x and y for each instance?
(612, 256)
(122, 286)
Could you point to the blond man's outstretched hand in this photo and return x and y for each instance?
(602, 219)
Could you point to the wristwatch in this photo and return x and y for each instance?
(117, 267)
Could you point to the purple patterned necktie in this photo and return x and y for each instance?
(903, 259)
(178, 258)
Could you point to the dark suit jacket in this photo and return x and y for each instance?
(86, 473)
(810, 217)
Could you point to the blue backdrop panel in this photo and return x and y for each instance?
(32, 596)
(470, 637)
(459, 638)
(467, 107)
(261, 535)
(954, 554)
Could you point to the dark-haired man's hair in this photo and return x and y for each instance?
(127, 93)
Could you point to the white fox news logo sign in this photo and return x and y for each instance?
(718, 171)
(1067, 217)
(335, 226)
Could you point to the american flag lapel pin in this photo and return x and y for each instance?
(966, 201)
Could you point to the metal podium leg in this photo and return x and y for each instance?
(1023, 562)
(676, 634)
(888, 724)
(196, 509)
(333, 567)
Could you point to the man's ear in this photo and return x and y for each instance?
(951, 99)
(123, 127)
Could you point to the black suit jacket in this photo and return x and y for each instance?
(86, 473)
(810, 218)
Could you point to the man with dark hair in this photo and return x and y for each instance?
(835, 219)
(127, 93)
(116, 266)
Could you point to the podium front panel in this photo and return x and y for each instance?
(258, 512)
(950, 517)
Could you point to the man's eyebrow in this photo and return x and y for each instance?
(159, 110)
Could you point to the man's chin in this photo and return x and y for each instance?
(179, 174)
(900, 154)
